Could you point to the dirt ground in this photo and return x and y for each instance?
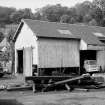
(76, 97)
(27, 97)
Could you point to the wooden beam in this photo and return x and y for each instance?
(34, 87)
(65, 82)
(67, 87)
(68, 80)
(48, 77)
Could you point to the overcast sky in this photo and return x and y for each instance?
(34, 4)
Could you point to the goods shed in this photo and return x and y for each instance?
(43, 47)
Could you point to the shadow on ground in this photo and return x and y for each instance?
(9, 102)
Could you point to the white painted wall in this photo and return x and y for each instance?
(16, 62)
(27, 58)
(83, 45)
(26, 39)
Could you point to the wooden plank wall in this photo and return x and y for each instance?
(58, 53)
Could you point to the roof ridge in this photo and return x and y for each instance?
(64, 23)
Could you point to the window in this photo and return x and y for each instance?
(66, 32)
(99, 34)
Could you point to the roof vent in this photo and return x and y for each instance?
(67, 32)
(99, 34)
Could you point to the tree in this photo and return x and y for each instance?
(65, 19)
(98, 15)
(87, 18)
(100, 4)
(52, 13)
(16, 16)
(27, 13)
(12, 50)
(99, 11)
(83, 8)
(1, 36)
(72, 20)
(4, 14)
(37, 16)
(93, 22)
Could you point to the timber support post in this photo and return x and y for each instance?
(33, 86)
(67, 87)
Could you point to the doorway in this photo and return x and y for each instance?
(20, 61)
(86, 55)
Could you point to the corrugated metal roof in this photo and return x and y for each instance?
(50, 29)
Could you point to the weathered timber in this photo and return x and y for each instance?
(68, 80)
(34, 87)
(19, 88)
(68, 87)
(64, 82)
(34, 78)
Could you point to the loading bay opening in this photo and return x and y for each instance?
(86, 55)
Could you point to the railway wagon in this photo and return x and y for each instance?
(43, 48)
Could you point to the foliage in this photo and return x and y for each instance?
(10, 35)
(52, 13)
(16, 16)
(1, 36)
(5, 13)
(65, 19)
(92, 13)
(11, 49)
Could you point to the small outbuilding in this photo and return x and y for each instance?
(43, 47)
